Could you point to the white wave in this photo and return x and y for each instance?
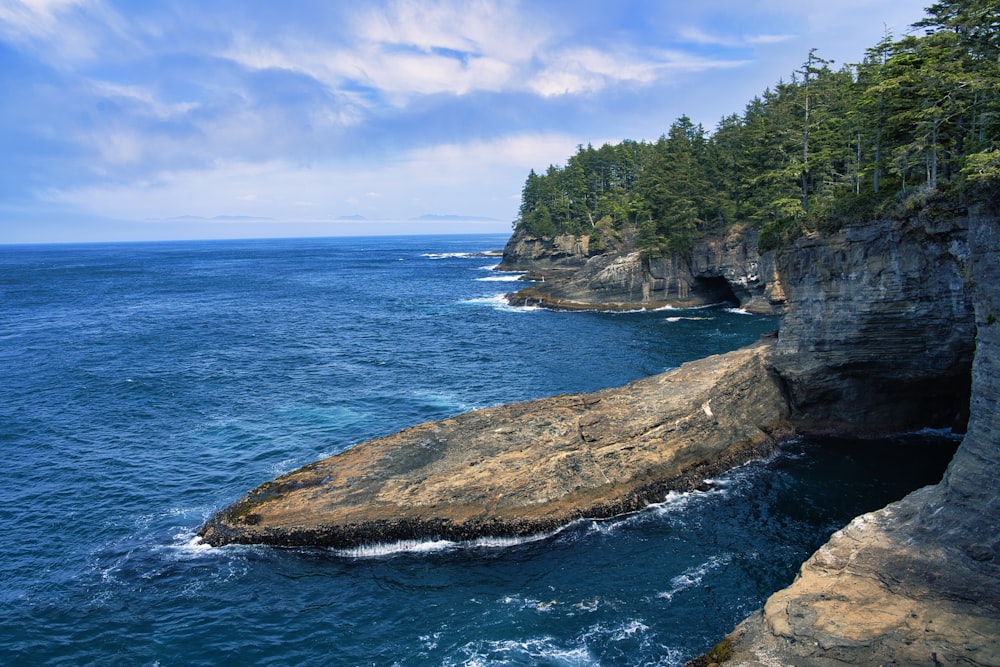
(283, 466)
(678, 319)
(539, 650)
(678, 501)
(738, 311)
(607, 526)
(433, 546)
(499, 302)
(493, 267)
(188, 546)
(395, 548)
(693, 576)
(502, 278)
(507, 542)
(627, 311)
(628, 629)
(450, 255)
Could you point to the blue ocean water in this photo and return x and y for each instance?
(145, 386)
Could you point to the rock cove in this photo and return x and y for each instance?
(879, 329)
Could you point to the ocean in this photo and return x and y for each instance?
(145, 386)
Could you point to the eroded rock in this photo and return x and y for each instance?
(916, 583)
(721, 266)
(878, 331)
(524, 468)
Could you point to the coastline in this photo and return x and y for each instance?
(525, 468)
(877, 336)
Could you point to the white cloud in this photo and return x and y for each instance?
(143, 96)
(64, 33)
(589, 71)
(766, 39)
(35, 18)
(696, 35)
(480, 28)
(448, 162)
(407, 48)
(49, 27)
(476, 178)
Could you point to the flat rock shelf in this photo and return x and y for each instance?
(524, 468)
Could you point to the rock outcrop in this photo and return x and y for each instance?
(878, 329)
(916, 583)
(524, 468)
(533, 253)
(877, 334)
(723, 266)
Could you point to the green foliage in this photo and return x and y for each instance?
(719, 654)
(918, 118)
(982, 170)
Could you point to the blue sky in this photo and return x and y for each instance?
(180, 119)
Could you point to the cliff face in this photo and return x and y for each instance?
(877, 326)
(919, 581)
(878, 330)
(722, 266)
(532, 253)
(878, 333)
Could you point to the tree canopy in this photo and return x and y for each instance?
(918, 117)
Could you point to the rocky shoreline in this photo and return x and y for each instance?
(524, 468)
(886, 326)
(918, 582)
(724, 266)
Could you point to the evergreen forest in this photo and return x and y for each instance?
(916, 121)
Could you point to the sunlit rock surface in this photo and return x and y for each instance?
(524, 468)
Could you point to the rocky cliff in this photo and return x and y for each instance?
(722, 266)
(917, 583)
(879, 332)
(878, 329)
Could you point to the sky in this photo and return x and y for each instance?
(130, 120)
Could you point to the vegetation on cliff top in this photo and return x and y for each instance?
(918, 118)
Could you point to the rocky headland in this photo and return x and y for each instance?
(722, 266)
(525, 468)
(885, 326)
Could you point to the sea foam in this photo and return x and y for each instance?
(502, 278)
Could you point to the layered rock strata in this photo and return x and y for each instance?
(723, 266)
(524, 468)
(878, 330)
(916, 583)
